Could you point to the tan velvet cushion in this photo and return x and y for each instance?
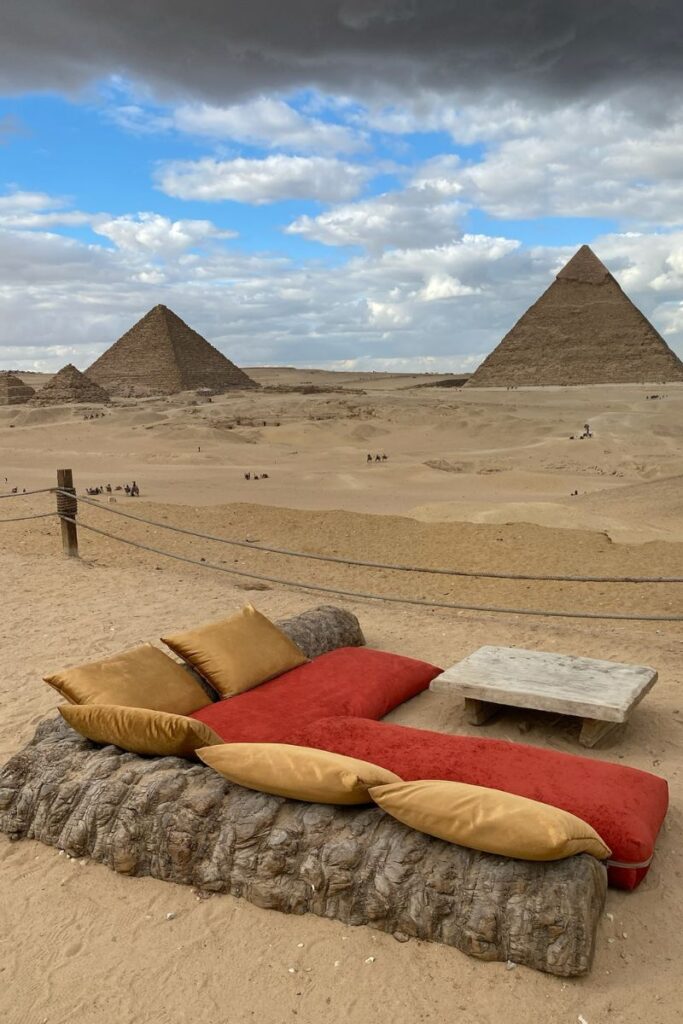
(299, 773)
(139, 730)
(144, 677)
(238, 653)
(489, 820)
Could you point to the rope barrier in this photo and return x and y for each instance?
(67, 504)
(21, 519)
(383, 565)
(379, 597)
(25, 494)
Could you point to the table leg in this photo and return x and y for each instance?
(479, 711)
(593, 731)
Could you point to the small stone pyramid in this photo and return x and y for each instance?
(70, 385)
(160, 354)
(13, 391)
(583, 330)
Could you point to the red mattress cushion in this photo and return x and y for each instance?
(624, 805)
(348, 681)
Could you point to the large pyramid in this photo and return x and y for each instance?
(70, 385)
(160, 354)
(583, 330)
(13, 391)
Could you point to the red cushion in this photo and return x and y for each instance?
(624, 805)
(347, 681)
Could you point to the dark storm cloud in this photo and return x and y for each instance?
(223, 50)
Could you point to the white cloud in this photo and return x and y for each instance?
(23, 202)
(145, 233)
(387, 314)
(469, 257)
(601, 161)
(152, 233)
(466, 121)
(64, 218)
(446, 363)
(412, 218)
(263, 181)
(443, 286)
(37, 210)
(139, 120)
(268, 122)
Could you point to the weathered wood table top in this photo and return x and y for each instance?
(602, 693)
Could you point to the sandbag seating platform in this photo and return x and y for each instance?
(178, 820)
(624, 805)
(181, 822)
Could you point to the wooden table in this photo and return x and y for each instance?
(601, 693)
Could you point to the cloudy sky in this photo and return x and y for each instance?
(371, 184)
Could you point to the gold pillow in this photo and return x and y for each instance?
(144, 677)
(139, 730)
(489, 820)
(238, 653)
(298, 773)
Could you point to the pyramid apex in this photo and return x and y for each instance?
(584, 266)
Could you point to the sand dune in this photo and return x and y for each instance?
(512, 450)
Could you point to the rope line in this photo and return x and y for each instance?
(25, 494)
(383, 565)
(21, 519)
(67, 505)
(379, 597)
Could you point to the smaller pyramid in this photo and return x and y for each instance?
(13, 391)
(582, 330)
(161, 355)
(70, 385)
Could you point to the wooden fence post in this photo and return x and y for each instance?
(67, 506)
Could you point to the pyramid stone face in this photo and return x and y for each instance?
(13, 391)
(160, 354)
(583, 330)
(69, 386)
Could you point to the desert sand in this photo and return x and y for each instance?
(474, 479)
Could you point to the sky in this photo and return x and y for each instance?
(349, 184)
